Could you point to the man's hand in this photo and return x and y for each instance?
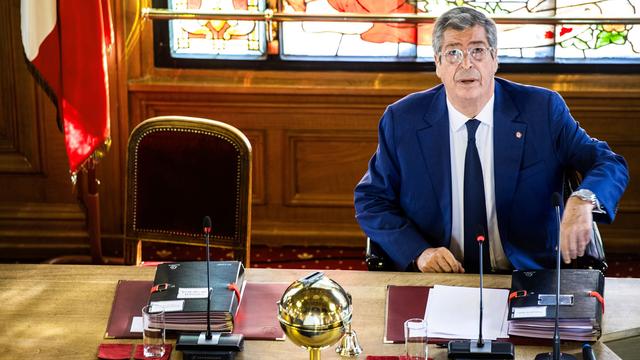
(576, 229)
(438, 260)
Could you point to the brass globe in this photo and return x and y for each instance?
(314, 313)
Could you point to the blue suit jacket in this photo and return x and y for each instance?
(403, 202)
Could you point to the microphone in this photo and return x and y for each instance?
(556, 201)
(206, 228)
(480, 239)
(206, 345)
(467, 349)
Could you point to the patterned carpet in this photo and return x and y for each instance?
(308, 257)
(344, 258)
(285, 257)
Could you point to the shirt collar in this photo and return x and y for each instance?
(457, 119)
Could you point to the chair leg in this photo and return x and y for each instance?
(132, 252)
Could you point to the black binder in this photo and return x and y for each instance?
(226, 280)
(532, 307)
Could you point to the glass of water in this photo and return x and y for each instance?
(153, 335)
(415, 339)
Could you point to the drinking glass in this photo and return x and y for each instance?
(415, 339)
(153, 333)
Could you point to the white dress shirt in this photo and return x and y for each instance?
(458, 148)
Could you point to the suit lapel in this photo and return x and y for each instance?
(508, 144)
(434, 143)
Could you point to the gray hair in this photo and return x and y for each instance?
(462, 18)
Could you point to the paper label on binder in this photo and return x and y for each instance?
(528, 312)
(169, 305)
(192, 293)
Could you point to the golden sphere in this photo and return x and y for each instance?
(314, 311)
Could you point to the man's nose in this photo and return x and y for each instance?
(466, 60)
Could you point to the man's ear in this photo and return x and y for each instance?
(435, 60)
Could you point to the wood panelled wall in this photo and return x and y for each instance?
(312, 135)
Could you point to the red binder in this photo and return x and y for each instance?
(128, 301)
(257, 315)
(403, 303)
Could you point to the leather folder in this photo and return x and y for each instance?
(257, 316)
(128, 301)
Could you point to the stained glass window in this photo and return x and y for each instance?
(404, 41)
(218, 39)
(596, 40)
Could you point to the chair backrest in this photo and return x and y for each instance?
(179, 170)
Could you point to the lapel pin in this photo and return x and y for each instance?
(518, 134)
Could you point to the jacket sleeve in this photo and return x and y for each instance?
(604, 172)
(377, 202)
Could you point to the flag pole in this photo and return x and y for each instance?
(92, 203)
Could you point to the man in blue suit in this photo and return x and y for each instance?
(416, 200)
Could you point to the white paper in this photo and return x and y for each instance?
(453, 312)
(529, 312)
(169, 305)
(136, 324)
(192, 293)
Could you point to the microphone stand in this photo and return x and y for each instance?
(207, 230)
(467, 349)
(206, 346)
(556, 354)
(480, 243)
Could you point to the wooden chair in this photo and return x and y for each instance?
(179, 170)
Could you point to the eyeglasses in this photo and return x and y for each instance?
(455, 56)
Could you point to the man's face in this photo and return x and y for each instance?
(469, 83)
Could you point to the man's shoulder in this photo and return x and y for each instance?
(524, 91)
(417, 100)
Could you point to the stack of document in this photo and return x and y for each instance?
(180, 289)
(578, 330)
(453, 312)
(532, 308)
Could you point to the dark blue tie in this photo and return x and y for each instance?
(475, 213)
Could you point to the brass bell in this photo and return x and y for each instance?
(349, 345)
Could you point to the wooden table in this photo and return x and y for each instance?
(61, 311)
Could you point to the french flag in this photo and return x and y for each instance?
(66, 44)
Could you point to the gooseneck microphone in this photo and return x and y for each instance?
(480, 239)
(467, 349)
(556, 201)
(206, 227)
(206, 345)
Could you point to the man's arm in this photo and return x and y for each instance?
(377, 202)
(604, 172)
